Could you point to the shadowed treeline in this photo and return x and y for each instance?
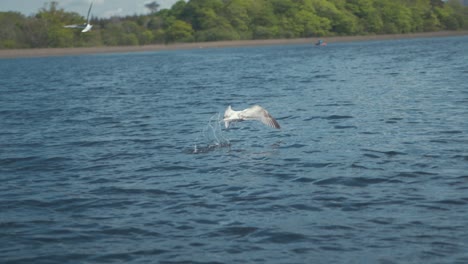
(220, 20)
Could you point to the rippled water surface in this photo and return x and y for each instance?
(121, 159)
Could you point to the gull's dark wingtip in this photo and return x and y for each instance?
(276, 124)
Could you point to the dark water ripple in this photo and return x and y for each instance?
(121, 158)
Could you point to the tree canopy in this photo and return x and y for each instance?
(213, 20)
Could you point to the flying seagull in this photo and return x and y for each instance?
(86, 26)
(255, 112)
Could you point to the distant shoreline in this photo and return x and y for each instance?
(47, 52)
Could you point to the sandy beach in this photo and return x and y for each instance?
(45, 52)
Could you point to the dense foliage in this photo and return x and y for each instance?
(211, 20)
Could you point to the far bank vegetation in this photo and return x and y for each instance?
(215, 20)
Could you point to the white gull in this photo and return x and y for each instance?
(255, 112)
(86, 26)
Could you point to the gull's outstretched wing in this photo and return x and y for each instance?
(74, 26)
(88, 18)
(257, 112)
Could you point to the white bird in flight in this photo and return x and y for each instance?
(255, 112)
(86, 26)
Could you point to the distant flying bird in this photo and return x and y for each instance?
(255, 112)
(86, 26)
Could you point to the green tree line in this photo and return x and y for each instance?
(214, 20)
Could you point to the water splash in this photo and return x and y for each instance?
(211, 137)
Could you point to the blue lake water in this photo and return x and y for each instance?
(120, 158)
